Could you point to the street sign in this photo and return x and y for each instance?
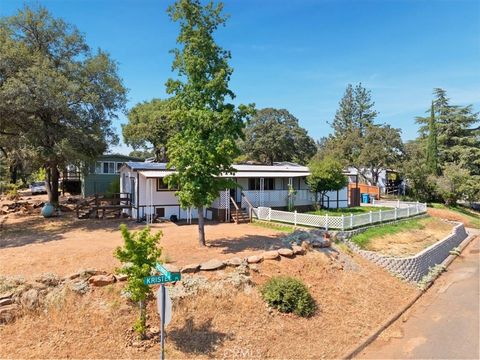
(151, 280)
(168, 305)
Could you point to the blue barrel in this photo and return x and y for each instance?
(365, 198)
(47, 210)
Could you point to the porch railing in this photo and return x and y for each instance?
(278, 198)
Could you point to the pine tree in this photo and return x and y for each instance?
(432, 147)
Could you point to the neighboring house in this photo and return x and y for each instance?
(103, 172)
(389, 181)
(258, 185)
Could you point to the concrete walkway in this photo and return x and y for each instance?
(444, 323)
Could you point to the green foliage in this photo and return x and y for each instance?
(288, 295)
(357, 141)
(452, 184)
(364, 238)
(433, 273)
(432, 146)
(139, 255)
(275, 135)
(39, 175)
(274, 225)
(326, 175)
(206, 142)
(149, 127)
(349, 210)
(11, 192)
(57, 98)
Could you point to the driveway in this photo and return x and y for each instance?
(444, 323)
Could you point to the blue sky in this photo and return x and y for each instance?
(301, 54)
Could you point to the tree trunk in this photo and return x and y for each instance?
(52, 184)
(201, 227)
(13, 174)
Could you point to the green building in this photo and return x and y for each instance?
(103, 173)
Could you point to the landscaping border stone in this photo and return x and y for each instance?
(414, 268)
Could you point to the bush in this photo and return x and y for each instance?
(12, 192)
(288, 295)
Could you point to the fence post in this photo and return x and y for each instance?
(373, 201)
(295, 217)
(326, 222)
(370, 216)
(398, 203)
(343, 222)
(417, 207)
(425, 207)
(408, 211)
(269, 214)
(380, 215)
(351, 221)
(395, 214)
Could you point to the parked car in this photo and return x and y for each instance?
(38, 187)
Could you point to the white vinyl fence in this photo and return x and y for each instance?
(343, 222)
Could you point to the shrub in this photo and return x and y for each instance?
(12, 192)
(288, 295)
(139, 255)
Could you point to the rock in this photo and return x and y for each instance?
(326, 242)
(72, 276)
(211, 265)
(8, 313)
(121, 277)
(254, 267)
(191, 268)
(306, 245)
(78, 286)
(254, 259)
(6, 301)
(29, 299)
(236, 261)
(171, 268)
(298, 250)
(270, 255)
(101, 280)
(91, 272)
(286, 252)
(49, 279)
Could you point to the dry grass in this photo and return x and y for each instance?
(231, 324)
(411, 241)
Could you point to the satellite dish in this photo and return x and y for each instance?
(168, 305)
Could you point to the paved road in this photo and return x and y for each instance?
(444, 323)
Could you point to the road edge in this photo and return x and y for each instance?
(364, 343)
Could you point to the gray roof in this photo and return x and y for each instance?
(135, 165)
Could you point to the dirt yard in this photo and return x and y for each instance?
(227, 323)
(411, 241)
(30, 245)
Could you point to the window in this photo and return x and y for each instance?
(119, 165)
(163, 186)
(254, 184)
(106, 167)
(160, 212)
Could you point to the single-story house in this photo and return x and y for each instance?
(257, 185)
(103, 173)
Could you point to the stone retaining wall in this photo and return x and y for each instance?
(414, 268)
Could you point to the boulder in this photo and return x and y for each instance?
(236, 261)
(91, 272)
(270, 255)
(254, 259)
(101, 280)
(306, 245)
(286, 252)
(211, 265)
(190, 268)
(29, 299)
(49, 279)
(78, 286)
(298, 250)
(8, 313)
(72, 276)
(121, 277)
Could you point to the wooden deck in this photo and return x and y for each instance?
(102, 206)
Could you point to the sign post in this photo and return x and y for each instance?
(164, 303)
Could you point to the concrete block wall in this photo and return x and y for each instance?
(414, 268)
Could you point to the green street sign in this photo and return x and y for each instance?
(165, 277)
(151, 280)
